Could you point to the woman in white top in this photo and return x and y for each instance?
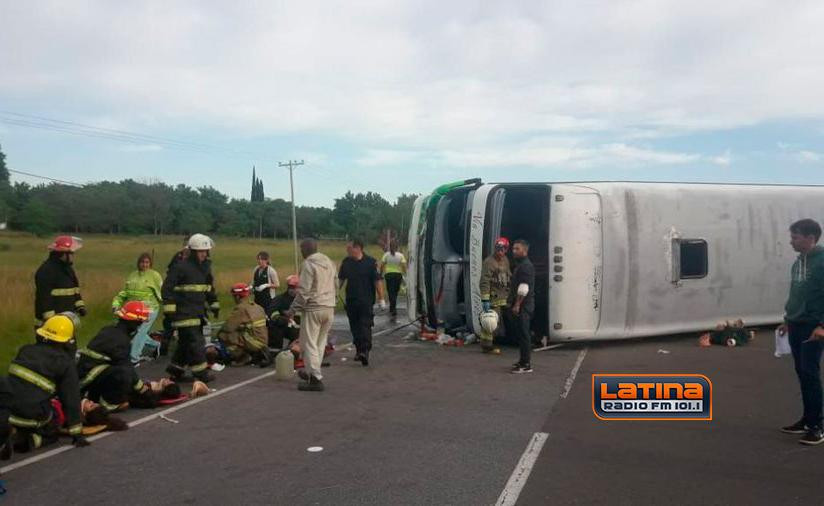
(393, 267)
(265, 281)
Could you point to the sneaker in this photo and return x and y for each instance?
(522, 369)
(313, 385)
(798, 427)
(814, 436)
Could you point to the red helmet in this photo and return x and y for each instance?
(134, 311)
(502, 242)
(240, 290)
(293, 281)
(66, 243)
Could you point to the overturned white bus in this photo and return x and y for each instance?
(613, 259)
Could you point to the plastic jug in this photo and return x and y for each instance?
(284, 365)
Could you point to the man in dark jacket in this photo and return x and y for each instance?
(522, 304)
(804, 320)
(187, 293)
(38, 374)
(168, 331)
(281, 327)
(360, 273)
(106, 373)
(56, 286)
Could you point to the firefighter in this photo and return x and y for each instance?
(495, 277)
(280, 325)
(38, 375)
(188, 292)
(56, 285)
(105, 369)
(168, 331)
(244, 334)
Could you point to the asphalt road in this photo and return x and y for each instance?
(426, 424)
(423, 424)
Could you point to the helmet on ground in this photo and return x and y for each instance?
(66, 244)
(58, 328)
(200, 242)
(489, 321)
(293, 280)
(502, 242)
(134, 311)
(240, 290)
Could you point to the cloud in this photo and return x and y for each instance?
(805, 156)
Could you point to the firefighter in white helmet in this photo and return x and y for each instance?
(188, 292)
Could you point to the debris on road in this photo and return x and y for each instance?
(172, 420)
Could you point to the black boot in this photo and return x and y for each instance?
(265, 358)
(313, 385)
(204, 376)
(175, 372)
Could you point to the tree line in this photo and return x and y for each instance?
(132, 207)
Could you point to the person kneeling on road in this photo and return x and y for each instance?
(39, 373)
(105, 369)
(315, 301)
(283, 330)
(244, 334)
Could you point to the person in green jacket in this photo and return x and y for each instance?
(143, 285)
(804, 321)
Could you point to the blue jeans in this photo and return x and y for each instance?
(807, 358)
(141, 338)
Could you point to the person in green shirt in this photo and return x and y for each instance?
(143, 285)
(804, 321)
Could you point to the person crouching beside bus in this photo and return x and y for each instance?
(39, 373)
(522, 304)
(105, 368)
(804, 320)
(495, 278)
(244, 334)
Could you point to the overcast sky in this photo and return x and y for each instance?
(399, 97)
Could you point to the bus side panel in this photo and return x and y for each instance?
(575, 239)
(413, 262)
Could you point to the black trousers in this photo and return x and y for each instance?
(280, 333)
(190, 349)
(518, 329)
(807, 359)
(393, 286)
(361, 320)
(113, 386)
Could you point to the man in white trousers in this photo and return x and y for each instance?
(315, 301)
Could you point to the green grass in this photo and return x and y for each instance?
(102, 265)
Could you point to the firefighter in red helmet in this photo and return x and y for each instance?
(56, 287)
(244, 334)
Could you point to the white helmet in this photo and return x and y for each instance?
(199, 242)
(489, 321)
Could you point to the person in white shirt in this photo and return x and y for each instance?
(393, 267)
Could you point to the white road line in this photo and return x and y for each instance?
(61, 449)
(573, 373)
(516, 482)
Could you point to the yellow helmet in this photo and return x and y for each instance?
(57, 328)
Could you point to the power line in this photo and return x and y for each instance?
(45, 177)
(75, 128)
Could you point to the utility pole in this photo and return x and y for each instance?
(292, 164)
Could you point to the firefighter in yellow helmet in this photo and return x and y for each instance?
(40, 374)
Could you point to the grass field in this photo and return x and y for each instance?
(102, 265)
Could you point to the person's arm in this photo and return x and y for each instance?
(525, 283)
(382, 268)
(403, 263)
(120, 298)
(305, 286)
(211, 296)
(43, 302)
(167, 290)
(274, 281)
(485, 286)
(379, 288)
